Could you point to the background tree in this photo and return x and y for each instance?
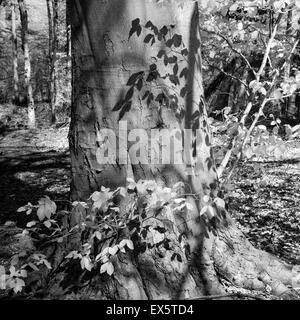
(52, 9)
(27, 63)
(108, 85)
(16, 98)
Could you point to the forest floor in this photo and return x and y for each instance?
(264, 198)
(33, 163)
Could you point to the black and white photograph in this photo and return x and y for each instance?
(149, 153)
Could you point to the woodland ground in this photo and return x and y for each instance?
(263, 197)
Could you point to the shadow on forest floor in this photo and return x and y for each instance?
(33, 163)
(28, 176)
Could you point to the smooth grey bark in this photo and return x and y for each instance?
(103, 60)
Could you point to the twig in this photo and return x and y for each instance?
(231, 47)
(225, 161)
(291, 53)
(267, 52)
(230, 76)
(258, 114)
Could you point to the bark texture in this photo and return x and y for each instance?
(104, 58)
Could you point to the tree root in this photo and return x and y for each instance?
(236, 260)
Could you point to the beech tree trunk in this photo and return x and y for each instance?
(27, 63)
(104, 57)
(16, 97)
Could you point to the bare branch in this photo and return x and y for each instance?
(229, 75)
(231, 47)
(268, 49)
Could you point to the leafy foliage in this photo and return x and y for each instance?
(108, 228)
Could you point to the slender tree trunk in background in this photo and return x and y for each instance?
(293, 108)
(296, 56)
(232, 95)
(290, 110)
(16, 97)
(241, 100)
(52, 8)
(50, 33)
(103, 60)
(27, 63)
(68, 30)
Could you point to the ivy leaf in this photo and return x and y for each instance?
(47, 224)
(131, 184)
(101, 199)
(189, 206)
(3, 281)
(129, 244)
(123, 192)
(98, 235)
(157, 236)
(22, 209)
(113, 250)
(220, 203)
(86, 263)
(203, 210)
(46, 208)
(277, 94)
(18, 285)
(23, 273)
(2, 270)
(33, 266)
(108, 268)
(234, 7)
(31, 224)
(206, 198)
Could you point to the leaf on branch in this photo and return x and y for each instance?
(31, 224)
(46, 208)
(108, 268)
(113, 250)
